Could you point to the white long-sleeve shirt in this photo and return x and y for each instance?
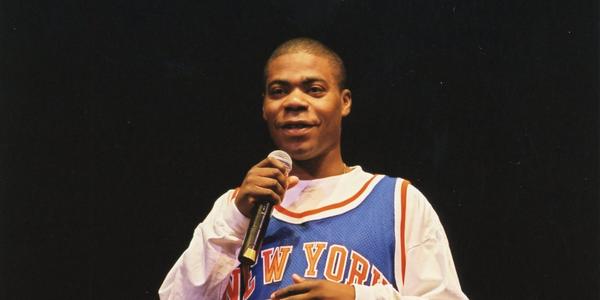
(203, 270)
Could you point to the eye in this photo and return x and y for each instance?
(276, 91)
(316, 90)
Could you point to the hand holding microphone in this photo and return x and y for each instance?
(264, 186)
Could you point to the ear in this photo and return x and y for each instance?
(346, 102)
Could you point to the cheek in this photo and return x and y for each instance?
(268, 113)
(265, 111)
(334, 123)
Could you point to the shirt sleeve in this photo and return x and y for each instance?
(202, 271)
(430, 273)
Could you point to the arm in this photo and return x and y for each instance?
(202, 271)
(430, 272)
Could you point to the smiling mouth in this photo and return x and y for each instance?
(296, 130)
(296, 126)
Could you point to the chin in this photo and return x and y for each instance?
(300, 157)
(297, 153)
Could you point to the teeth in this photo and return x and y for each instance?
(292, 126)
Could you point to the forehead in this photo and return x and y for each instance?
(295, 66)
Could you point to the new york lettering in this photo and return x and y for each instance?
(337, 257)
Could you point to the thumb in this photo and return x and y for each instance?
(297, 279)
(292, 181)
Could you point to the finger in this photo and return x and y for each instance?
(297, 279)
(257, 194)
(272, 162)
(279, 165)
(269, 173)
(290, 290)
(268, 183)
(263, 163)
(299, 297)
(292, 181)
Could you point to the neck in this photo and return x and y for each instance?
(319, 167)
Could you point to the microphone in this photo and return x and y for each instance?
(260, 218)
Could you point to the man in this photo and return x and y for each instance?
(339, 232)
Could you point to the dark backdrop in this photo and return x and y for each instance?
(122, 121)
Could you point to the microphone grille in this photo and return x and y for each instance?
(283, 157)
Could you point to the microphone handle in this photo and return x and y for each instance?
(256, 231)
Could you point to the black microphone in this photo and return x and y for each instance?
(260, 218)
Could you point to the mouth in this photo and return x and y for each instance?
(296, 128)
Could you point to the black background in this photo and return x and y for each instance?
(122, 121)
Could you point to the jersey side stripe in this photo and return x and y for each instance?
(404, 189)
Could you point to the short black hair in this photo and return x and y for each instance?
(314, 47)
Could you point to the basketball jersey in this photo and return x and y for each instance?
(357, 246)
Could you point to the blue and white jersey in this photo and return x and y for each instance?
(358, 240)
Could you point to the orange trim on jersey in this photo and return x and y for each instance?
(324, 208)
(403, 190)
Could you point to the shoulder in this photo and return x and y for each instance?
(414, 197)
(422, 222)
(404, 189)
(416, 200)
(405, 193)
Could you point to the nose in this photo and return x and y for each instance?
(295, 102)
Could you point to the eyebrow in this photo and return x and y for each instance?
(305, 81)
(278, 81)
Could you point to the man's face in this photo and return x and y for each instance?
(303, 105)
